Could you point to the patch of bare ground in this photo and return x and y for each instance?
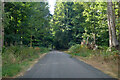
(32, 63)
(109, 67)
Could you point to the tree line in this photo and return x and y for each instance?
(31, 24)
(96, 22)
(26, 23)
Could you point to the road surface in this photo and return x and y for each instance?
(61, 65)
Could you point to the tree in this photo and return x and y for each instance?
(27, 24)
(68, 24)
(95, 23)
(113, 42)
(119, 21)
(1, 25)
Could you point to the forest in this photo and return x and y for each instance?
(31, 24)
(28, 29)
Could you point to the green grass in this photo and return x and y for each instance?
(16, 58)
(10, 70)
(13, 69)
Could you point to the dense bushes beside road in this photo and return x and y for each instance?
(14, 58)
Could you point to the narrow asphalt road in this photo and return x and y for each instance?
(60, 65)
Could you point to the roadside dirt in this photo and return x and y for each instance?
(107, 67)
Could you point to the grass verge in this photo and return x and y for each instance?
(16, 59)
(101, 59)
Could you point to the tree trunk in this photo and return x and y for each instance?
(31, 41)
(21, 43)
(113, 42)
(94, 38)
(1, 26)
(21, 38)
(110, 33)
(119, 21)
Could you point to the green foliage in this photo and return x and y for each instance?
(14, 54)
(43, 50)
(79, 20)
(67, 24)
(11, 70)
(31, 24)
(96, 22)
(80, 50)
(102, 52)
(14, 58)
(28, 23)
(103, 47)
(25, 24)
(25, 19)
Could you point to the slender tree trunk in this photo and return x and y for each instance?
(0, 40)
(110, 33)
(110, 37)
(31, 41)
(21, 43)
(119, 21)
(114, 36)
(94, 42)
(113, 42)
(1, 26)
(94, 32)
(21, 38)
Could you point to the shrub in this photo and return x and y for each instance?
(80, 50)
(43, 49)
(14, 55)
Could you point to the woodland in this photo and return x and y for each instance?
(28, 28)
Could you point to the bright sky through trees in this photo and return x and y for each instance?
(51, 5)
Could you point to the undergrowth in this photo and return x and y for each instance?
(101, 55)
(15, 58)
(79, 50)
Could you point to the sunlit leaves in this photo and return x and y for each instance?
(23, 19)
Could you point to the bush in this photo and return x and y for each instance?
(103, 51)
(80, 50)
(110, 55)
(14, 55)
(75, 48)
(102, 47)
(43, 49)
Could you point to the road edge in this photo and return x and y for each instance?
(22, 72)
(85, 61)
